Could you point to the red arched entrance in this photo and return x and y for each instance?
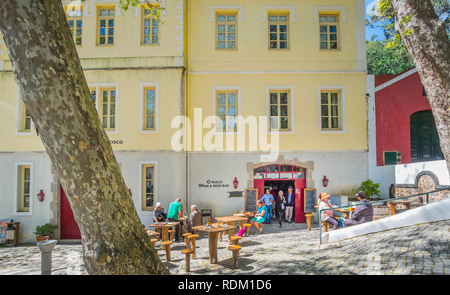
(280, 177)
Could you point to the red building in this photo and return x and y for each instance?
(405, 128)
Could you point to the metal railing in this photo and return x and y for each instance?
(379, 201)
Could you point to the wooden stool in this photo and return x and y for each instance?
(152, 242)
(186, 239)
(325, 226)
(192, 238)
(188, 253)
(308, 220)
(171, 234)
(235, 249)
(166, 246)
(247, 228)
(235, 240)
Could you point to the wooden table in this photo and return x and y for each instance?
(213, 234)
(230, 220)
(396, 202)
(346, 211)
(164, 226)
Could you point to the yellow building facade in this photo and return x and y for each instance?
(216, 91)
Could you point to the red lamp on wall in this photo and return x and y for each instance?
(235, 183)
(325, 181)
(41, 196)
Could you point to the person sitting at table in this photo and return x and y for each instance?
(174, 214)
(363, 213)
(195, 219)
(259, 216)
(158, 213)
(327, 215)
(267, 198)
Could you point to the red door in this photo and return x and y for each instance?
(69, 228)
(299, 213)
(259, 184)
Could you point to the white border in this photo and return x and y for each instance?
(267, 9)
(143, 85)
(19, 104)
(396, 79)
(212, 11)
(291, 109)
(155, 188)
(16, 167)
(97, 88)
(238, 115)
(342, 105)
(319, 9)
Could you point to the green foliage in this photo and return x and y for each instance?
(383, 60)
(45, 230)
(370, 188)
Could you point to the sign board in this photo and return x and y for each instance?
(310, 199)
(250, 199)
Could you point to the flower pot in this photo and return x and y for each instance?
(43, 237)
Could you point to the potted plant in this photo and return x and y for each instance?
(370, 189)
(45, 230)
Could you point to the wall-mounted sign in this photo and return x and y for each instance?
(213, 184)
(116, 141)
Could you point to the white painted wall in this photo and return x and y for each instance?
(345, 171)
(407, 173)
(40, 212)
(384, 175)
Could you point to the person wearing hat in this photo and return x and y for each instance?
(290, 202)
(327, 215)
(363, 213)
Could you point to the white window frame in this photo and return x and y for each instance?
(291, 109)
(238, 114)
(19, 117)
(155, 189)
(279, 9)
(16, 192)
(341, 90)
(142, 86)
(99, 86)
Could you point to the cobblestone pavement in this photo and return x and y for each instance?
(419, 249)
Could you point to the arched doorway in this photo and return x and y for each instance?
(280, 177)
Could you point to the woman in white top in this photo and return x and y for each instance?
(327, 215)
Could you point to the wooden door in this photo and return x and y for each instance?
(299, 212)
(69, 228)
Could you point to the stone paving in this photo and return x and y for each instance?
(418, 249)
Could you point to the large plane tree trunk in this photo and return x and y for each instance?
(427, 42)
(54, 90)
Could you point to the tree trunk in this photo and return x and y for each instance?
(54, 90)
(429, 47)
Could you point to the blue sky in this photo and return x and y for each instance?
(370, 31)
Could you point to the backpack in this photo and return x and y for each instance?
(241, 232)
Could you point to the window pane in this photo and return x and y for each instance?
(231, 18)
(323, 18)
(282, 18)
(283, 110)
(283, 28)
(273, 28)
(221, 36)
(284, 123)
(274, 123)
(221, 18)
(272, 168)
(231, 44)
(221, 28)
(283, 44)
(334, 98)
(333, 29)
(285, 168)
(231, 36)
(334, 110)
(332, 19)
(273, 98)
(231, 29)
(231, 111)
(274, 111)
(150, 122)
(221, 111)
(333, 45)
(273, 18)
(334, 122)
(323, 45)
(221, 100)
(323, 29)
(324, 123)
(283, 98)
(231, 98)
(324, 110)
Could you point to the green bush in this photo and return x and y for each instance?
(370, 188)
(45, 230)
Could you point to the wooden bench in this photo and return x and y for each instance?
(235, 240)
(192, 238)
(247, 228)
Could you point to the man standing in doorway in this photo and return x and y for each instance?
(268, 199)
(174, 214)
(290, 200)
